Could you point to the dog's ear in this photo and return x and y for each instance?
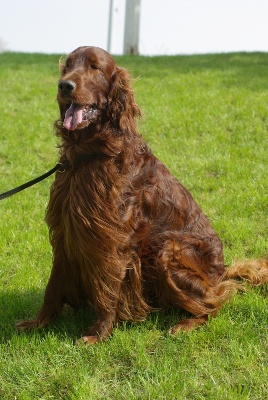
(122, 106)
(62, 61)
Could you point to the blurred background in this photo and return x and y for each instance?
(156, 27)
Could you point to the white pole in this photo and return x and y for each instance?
(132, 27)
(110, 27)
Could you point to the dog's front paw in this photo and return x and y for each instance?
(27, 325)
(88, 340)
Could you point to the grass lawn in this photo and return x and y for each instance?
(206, 118)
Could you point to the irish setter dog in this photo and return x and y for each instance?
(127, 237)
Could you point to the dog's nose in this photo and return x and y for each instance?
(67, 86)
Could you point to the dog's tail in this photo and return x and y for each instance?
(254, 272)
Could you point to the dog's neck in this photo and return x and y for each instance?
(95, 140)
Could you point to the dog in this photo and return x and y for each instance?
(127, 237)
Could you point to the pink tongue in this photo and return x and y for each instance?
(73, 117)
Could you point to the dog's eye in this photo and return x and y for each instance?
(94, 66)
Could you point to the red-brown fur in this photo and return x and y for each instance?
(127, 237)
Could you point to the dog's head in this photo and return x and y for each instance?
(90, 85)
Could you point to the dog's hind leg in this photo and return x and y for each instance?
(190, 274)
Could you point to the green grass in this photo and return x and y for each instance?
(206, 118)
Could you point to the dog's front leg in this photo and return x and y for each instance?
(52, 304)
(106, 305)
(100, 330)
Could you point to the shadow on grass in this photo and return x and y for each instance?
(17, 305)
(236, 69)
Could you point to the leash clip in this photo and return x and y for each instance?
(60, 168)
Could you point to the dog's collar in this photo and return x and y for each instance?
(63, 166)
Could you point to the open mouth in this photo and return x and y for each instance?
(79, 116)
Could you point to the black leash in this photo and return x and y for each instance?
(61, 167)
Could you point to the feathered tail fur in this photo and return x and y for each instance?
(255, 272)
